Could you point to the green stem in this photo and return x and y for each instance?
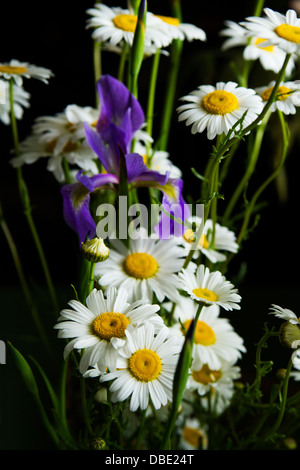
(97, 66)
(151, 94)
(224, 148)
(180, 383)
(254, 154)
(26, 203)
(283, 400)
(25, 288)
(122, 62)
(263, 186)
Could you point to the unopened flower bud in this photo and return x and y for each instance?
(95, 250)
(290, 443)
(280, 374)
(98, 444)
(101, 395)
(288, 334)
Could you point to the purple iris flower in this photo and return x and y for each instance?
(120, 117)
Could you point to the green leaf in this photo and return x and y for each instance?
(25, 370)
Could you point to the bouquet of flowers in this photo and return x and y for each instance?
(148, 357)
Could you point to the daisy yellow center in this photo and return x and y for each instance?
(140, 265)
(125, 22)
(12, 69)
(204, 334)
(288, 32)
(206, 375)
(110, 325)
(145, 365)
(169, 19)
(206, 294)
(220, 102)
(189, 236)
(283, 93)
(266, 48)
(192, 435)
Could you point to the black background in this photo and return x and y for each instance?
(54, 35)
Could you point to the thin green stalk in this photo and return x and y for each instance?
(26, 204)
(97, 66)
(283, 401)
(263, 186)
(167, 110)
(254, 154)
(122, 62)
(228, 144)
(25, 288)
(180, 380)
(151, 94)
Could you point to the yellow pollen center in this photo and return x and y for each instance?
(282, 93)
(125, 22)
(145, 365)
(70, 147)
(110, 325)
(192, 436)
(206, 376)
(288, 32)
(12, 69)
(190, 236)
(206, 294)
(140, 265)
(220, 102)
(266, 48)
(169, 19)
(204, 334)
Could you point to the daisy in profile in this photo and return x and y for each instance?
(193, 436)
(221, 380)
(144, 268)
(289, 332)
(270, 57)
(178, 30)
(60, 137)
(214, 339)
(19, 70)
(209, 288)
(276, 29)
(212, 242)
(114, 25)
(100, 326)
(158, 160)
(287, 98)
(218, 108)
(145, 367)
(20, 101)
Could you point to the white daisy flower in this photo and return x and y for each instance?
(288, 96)
(178, 30)
(145, 367)
(214, 338)
(100, 326)
(218, 108)
(144, 268)
(270, 57)
(205, 379)
(215, 402)
(209, 288)
(277, 29)
(17, 70)
(285, 314)
(116, 25)
(211, 242)
(60, 137)
(20, 98)
(193, 436)
(158, 160)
